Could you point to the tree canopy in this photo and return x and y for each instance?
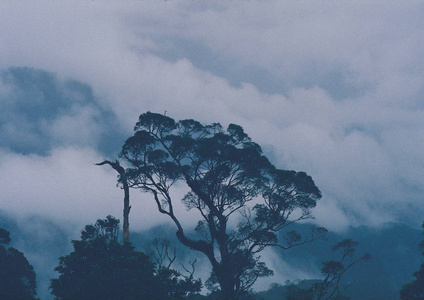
(102, 268)
(227, 178)
(330, 287)
(17, 276)
(415, 289)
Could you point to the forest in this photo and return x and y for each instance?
(211, 150)
(243, 203)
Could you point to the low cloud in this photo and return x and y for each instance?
(283, 270)
(67, 188)
(333, 90)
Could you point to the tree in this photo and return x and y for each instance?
(228, 179)
(17, 276)
(176, 284)
(415, 289)
(102, 268)
(122, 179)
(333, 271)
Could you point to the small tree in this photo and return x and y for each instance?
(101, 268)
(415, 289)
(227, 177)
(333, 271)
(176, 284)
(17, 276)
(330, 287)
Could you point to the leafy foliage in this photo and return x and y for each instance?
(226, 175)
(4, 236)
(17, 276)
(330, 287)
(415, 289)
(102, 268)
(175, 284)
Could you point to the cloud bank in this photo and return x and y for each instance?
(331, 89)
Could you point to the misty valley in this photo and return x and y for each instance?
(394, 250)
(211, 150)
(253, 223)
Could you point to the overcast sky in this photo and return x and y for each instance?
(333, 88)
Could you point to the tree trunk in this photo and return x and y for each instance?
(226, 283)
(127, 207)
(126, 226)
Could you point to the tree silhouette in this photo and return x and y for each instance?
(122, 179)
(17, 276)
(415, 289)
(227, 179)
(176, 284)
(333, 271)
(330, 287)
(100, 268)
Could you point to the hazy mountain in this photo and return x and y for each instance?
(393, 247)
